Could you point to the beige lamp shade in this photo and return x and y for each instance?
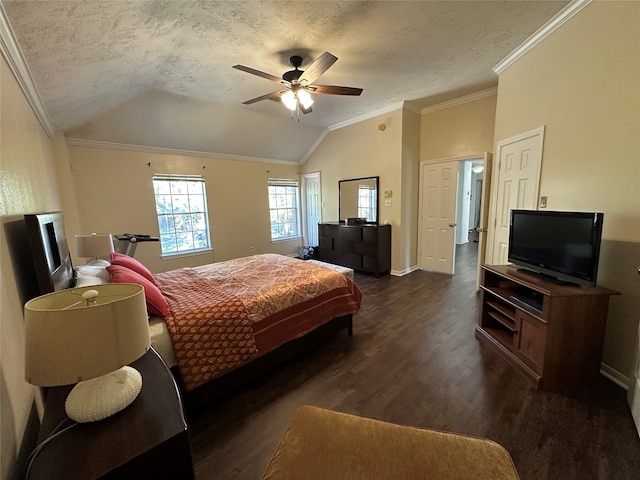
(94, 245)
(78, 334)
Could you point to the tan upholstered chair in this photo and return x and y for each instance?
(325, 445)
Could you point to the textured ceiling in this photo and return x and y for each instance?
(158, 73)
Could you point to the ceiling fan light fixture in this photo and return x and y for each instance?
(300, 84)
(305, 99)
(290, 101)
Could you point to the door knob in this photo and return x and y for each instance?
(452, 225)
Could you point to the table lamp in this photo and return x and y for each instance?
(88, 336)
(94, 245)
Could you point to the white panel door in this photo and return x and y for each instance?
(313, 207)
(517, 181)
(438, 194)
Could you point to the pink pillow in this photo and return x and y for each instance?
(156, 303)
(132, 264)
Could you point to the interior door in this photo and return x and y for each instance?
(313, 207)
(438, 194)
(516, 183)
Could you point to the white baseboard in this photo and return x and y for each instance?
(406, 271)
(615, 376)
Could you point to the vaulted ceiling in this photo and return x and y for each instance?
(159, 73)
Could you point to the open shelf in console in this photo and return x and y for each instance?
(500, 319)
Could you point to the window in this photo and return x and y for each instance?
(283, 208)
(181, 205)
(367, 200)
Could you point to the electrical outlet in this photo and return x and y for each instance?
(543, 201)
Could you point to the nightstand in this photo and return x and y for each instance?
(148, 439)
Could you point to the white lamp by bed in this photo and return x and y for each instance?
(88, 335)
(94, 245)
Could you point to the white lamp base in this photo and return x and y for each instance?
(101, 397)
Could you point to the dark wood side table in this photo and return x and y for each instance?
(148, 439)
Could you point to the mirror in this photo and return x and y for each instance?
(358, 199)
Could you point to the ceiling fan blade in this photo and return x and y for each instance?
(317, 68)
(272, 95)
(334, 90)
(253, 71)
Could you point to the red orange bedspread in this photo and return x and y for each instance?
(225, 314)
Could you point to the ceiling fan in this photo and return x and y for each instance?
(299, 84)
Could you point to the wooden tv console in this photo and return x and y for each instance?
(552, 333)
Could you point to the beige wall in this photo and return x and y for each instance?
(27, 185)
(583, 84)
(462, 130)
(119, 199)
(394, 154)
(362, 150)
(408, 248)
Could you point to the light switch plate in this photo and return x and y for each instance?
(387, 202)
(388, 193)
(543, 201)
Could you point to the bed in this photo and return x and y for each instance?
(217, 325)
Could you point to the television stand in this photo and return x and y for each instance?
(547, 278)
(552, 333)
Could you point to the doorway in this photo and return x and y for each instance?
(469, 203)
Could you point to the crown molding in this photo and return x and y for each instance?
(337, 126)
(78, 142)
(547, 29)
(368, 116)
(412, 108)
(460, 100)
(13, 55)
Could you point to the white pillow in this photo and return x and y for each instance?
(89, 281)
(92, 271)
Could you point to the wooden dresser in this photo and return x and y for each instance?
(364, 247)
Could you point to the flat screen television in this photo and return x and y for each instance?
(559, 246)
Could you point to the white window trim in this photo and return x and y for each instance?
(185, 177)
(192, 253)
(287, 182)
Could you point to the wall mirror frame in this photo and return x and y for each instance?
(358, 198)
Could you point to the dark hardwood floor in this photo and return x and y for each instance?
(414, 360)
